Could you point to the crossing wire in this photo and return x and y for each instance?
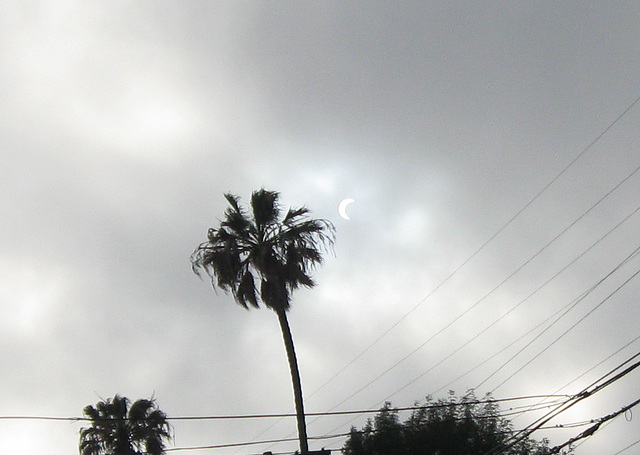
(282, 415)
(591, 430)
(587, 392)
(568, 330)
(586, 372)
(627, 448)
(572, 305)
(341, 435)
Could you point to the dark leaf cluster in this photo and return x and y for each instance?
(121, 428)
(455, 426)
(260, 256)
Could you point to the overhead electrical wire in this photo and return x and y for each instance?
(522, 337)
(598, 364)
(251, 443)
(566, 310)
(627, 448)
(586, 372)
(629, 257)
(287, 439)
(282, 415)
(563, 334)
(592, 429)
(587, 392)
(511, 310)
(561, 398)
(333, 436)
(341, 435)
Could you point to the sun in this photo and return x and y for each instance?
(342, 208)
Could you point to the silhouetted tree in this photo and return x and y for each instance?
(461, 426)
(119, 429)
(259, 257)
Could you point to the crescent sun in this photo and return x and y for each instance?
(342, 208)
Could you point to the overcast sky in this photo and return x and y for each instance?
(123, 123)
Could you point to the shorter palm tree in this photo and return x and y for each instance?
(119, 429)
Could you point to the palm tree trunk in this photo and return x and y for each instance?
(295, 379)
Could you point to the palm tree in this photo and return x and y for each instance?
(260, 257)
(119, 429)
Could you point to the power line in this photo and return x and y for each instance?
(244, 444)
(587, 392)
(599, 363)
(510, 411)
(283, 440)
(340, 435)
(566, 310)
(627, 448)
(588, 371)
(591, 430)
(283, 415)
(602, 302)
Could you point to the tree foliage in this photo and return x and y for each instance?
(262, 256)
(121, 428)
(456, 426)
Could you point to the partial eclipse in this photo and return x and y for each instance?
(342, 208)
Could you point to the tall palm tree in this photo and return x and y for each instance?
(259, 257)
(119, 429)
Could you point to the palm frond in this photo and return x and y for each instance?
(294, 213)
(158, 419)
(233, 201)
(154, 447)
(139, 409)
(317, 232)
(90, 445)
(119, 406)
(235, 221)
(245, 292)
(120, 429)
(274, 294)
(265, 208)
(296, 277)
(256, 247)
(90, 412)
